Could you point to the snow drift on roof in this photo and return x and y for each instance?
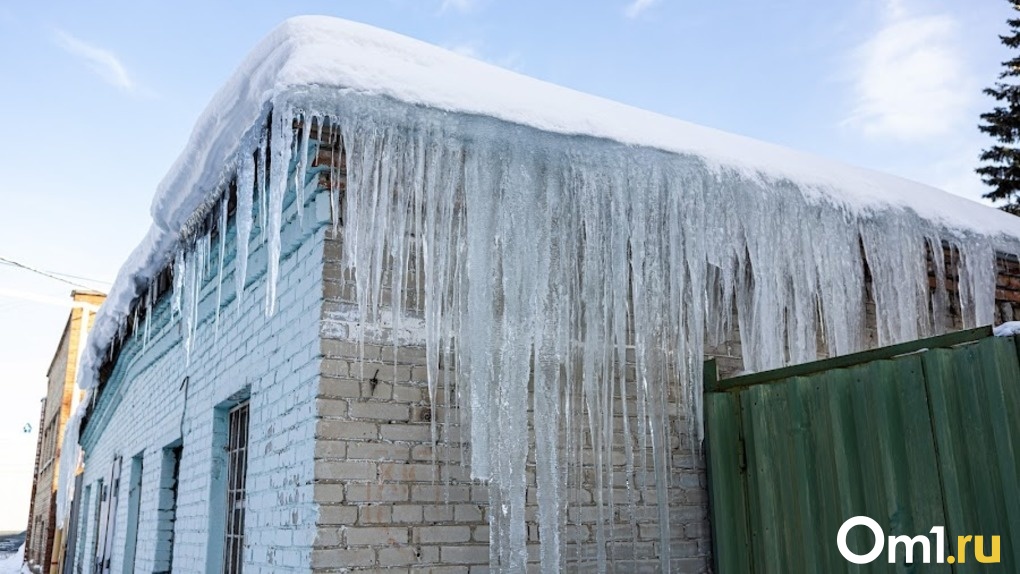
(330, 52)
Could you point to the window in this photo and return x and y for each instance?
(134, 508)
(107, 522)
(98, 526)
(168, 487)
(237, 469)
(75, 523)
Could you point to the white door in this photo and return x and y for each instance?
(107, 519)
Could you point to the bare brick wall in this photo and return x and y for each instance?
(55, 412)
(383, 502)
(1007, 308)
(385, 505)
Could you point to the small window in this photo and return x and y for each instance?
(134, 509)
(106, 527)
(237, 469)
(97, 524)
(169, 480)
(78, 524)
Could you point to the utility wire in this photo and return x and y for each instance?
(89, 279)
(48, 274)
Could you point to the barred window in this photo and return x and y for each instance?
(237, 469)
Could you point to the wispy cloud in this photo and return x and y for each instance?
(101, 61)
(635, 8)
(469, 50)
(909, 80)
(459, 5)
(510, 61)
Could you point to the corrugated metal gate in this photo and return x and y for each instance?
(914, 436)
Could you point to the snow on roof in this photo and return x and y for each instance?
(330, 52)
(334, 53)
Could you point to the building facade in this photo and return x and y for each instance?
(55, 410)
(290, 444)
(333, 361)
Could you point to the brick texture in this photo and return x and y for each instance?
(157, 395)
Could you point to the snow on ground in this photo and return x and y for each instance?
(13, 564)
(1008, 329)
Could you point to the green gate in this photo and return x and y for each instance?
(913, 436)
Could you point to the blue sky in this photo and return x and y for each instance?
(97, 103)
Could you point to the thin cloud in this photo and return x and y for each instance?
(909, 81)
(510, 61)
(101, 61)
(468, 50)
(459, 5)
(635, 8)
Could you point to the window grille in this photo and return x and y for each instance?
(237, 467)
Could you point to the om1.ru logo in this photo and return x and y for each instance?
(910, 545)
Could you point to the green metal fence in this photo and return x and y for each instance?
(913, 436)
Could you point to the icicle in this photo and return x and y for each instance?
(150, 296)
(302, 166)
(192, 293)
(939, 295)
(261, 188)
(595, 273)
(977, 282)
(178, 284)
(246, 176)
(221, 255)
(479, 369)
(336, 143)
(281, 145)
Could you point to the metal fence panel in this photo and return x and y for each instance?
(912, 441)
(975, 397)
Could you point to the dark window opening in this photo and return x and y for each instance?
(237, 469)
(168, 487)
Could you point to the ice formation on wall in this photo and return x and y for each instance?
(553, 260)
(547, 259)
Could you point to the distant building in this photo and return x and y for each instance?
(56, 408)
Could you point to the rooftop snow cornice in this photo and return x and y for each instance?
(324, 52)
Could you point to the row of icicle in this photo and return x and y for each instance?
(563, 272)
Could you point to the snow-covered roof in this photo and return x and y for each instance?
(330, 52)
(327, 52)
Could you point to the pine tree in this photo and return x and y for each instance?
(1002, 169)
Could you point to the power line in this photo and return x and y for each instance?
(89, 279)
(49, 274)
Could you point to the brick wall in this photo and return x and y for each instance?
(40, 537)
(386, 505)
(156, 397)
(389, 500)
(55, 411)
(383, 503)
(343, 474)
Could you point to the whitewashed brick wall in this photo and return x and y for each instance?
(142, 409)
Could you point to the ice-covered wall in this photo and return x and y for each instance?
(547, 258)
(557, 233)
